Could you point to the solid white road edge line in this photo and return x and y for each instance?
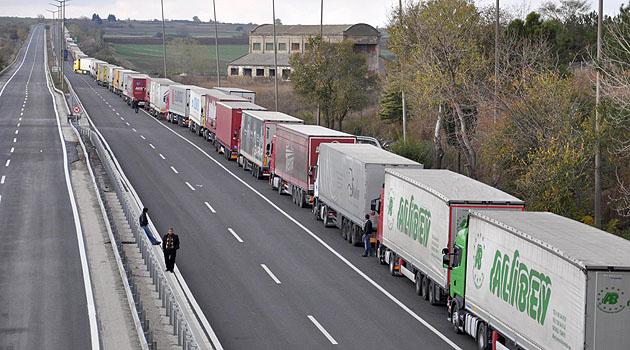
(87, 283)
(210, 207)
(322, 329)
(235, 235)
(320, 241)
(273, 277)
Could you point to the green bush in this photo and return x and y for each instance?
(419, 151)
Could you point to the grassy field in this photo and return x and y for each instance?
(148, 58)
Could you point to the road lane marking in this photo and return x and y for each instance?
(134, 129)
(18, 125)
(121, 118)
(16, 131)
(2, 180)
(161, 156)
(22, 109)
(8, 162)
(127, 123)
(28, 47)
(175, 170)
(113, 110)
(119, 114)
(273, 277)
(142, 137)
(235, 235)
(322, 329)
(20, 119)
(150, 145)
(210, 207)
(190, 186)
(319, 240)
(12, 149)
(14, 139)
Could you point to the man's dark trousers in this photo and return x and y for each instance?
(169, 258)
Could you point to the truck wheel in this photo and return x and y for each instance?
(425, 288)
(280, 187)
(381, 255)
(482, 336)
(325, 218)
(356, 235)
(392, 266)
(301, 199)
(419, 283)
(349, 232)
(433, 293)
(344, 230)
(455, 319)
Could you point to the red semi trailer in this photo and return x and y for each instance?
(228, 126)
(210, 112)
(295, 150)
(137, 88)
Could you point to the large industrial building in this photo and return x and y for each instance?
(259, 62)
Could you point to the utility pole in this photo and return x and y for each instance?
(216, 42)
(321, 37)
(59, 44)
(496, 60)
(402, 88)
(598, 179)
(275, 50)
(163, 37)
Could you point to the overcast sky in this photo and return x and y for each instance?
(374, 12)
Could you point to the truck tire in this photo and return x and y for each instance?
(356, 235)
(344, 229)
(425, 287)
(301, 198)
(280, 187)
(455, 319)
(381, 255)
(419, 283)
(433, 298)
(392, 266)
(349, 232)
(482, 336)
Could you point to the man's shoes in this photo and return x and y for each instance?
(364, 255)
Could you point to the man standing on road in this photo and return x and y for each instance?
(367, 231)
(170, 244)
(134, 105)
(144, 223)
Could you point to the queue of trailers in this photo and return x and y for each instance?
(511, 279)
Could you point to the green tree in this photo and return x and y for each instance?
(391, 105)
(97, 19)
(111, 18)
(332, 76)
(196, 19)
(440, 42)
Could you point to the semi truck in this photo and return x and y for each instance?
(420, 212)
(86, 65)
(210, 112)
(258, 128)
(248, 94)
(94, 68)
(178, 103)
(111, 76)
(203, 101)
(536, 280)
(228, 131)
(347, 178)
(119, 79)
(135, 88)
(295, 150)
(158, 95)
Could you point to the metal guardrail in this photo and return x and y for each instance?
(174, 311)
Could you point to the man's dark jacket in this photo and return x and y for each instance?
(175, 241)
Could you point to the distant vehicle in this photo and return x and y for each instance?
(228, 130)
(248, 94)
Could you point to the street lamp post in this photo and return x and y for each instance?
(216, 42)
(163, 37)
(275, 51)
(598, 179)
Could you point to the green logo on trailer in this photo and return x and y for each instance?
(525, 289)
(479, 246)
(413, 220)
(608, 300)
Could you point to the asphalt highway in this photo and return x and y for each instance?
(266, 273)
(42, 295)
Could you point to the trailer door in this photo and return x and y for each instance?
(612, 310)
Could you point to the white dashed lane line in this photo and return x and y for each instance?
(235, 235)
(190, 186)
(210, 207)
(150, 145)
(17, 131)
(174, 170)
(127, 123)
(12, 149)
(134, 129)
(322, 329)
(2, 180)
(8, 162)
(14, 140)
(273, 277)
(142, 137)
(161, 156)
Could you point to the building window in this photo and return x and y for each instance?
(295, 46)
(255, 46)
(233, 71)
(260, 72)
(282, 46)
(272, 72)
(285, 74)
(247, 72)
(269, 47)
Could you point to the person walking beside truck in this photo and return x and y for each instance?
(144, 224)
(134, 105)
(170, 245)
(367, 233)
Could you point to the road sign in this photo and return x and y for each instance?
(76, 109)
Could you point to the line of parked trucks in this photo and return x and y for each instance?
(511, 279)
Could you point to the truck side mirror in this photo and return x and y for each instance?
(446, 261)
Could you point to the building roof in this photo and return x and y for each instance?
(585, 246)
(454, 188)
(359, 29)
(261, 59)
